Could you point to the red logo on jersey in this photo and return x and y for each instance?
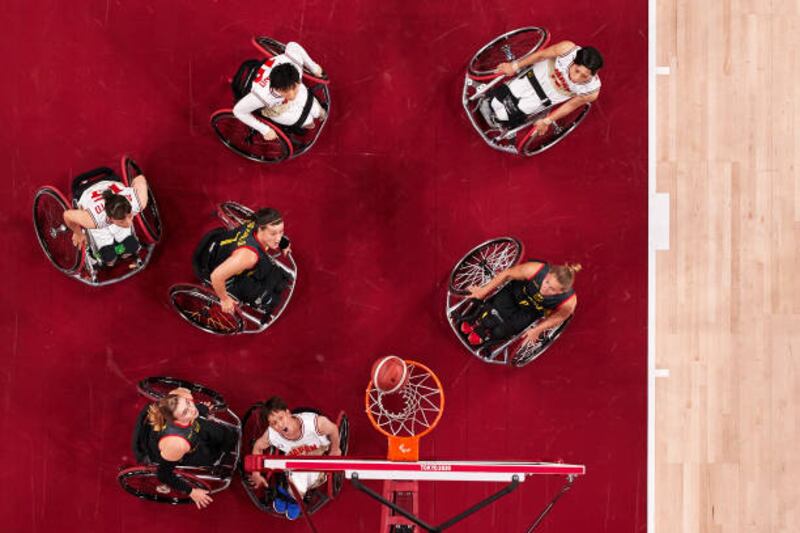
(305, 449)
(98, 195)
(262, 78)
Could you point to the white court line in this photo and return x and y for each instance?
(660, 226)
(651, 265)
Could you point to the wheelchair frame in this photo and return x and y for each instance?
(270, 48)
(514, 351)
(220, 473)
(512, 140)
(247, 319)
(89, 269)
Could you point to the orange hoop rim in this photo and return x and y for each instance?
(413, 371)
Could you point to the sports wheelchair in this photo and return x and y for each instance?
(84, 264)
(252, 428)
(478, 267)
(249, 143)
(141, 480)
(200, 306)
(516, 138)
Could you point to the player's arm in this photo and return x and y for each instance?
(565, 109)
(558, 49)
(554, 319)
(77, 220)
(139, 186)
(239, 261)
(298, 55)
(172, 450)
(259, 446)
(244, 109)
(521, 272)
(330, 430)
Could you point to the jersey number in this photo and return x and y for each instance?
(262, 78)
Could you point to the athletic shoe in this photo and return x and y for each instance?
(280, 505)
(475, 339)
(466, 328)
(293, 510)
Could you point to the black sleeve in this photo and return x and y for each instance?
(166, 474)
(285, 242)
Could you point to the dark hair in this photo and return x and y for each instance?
(273, 405)
(267, 216)
(283, 77)
(589, 57)
(117, 206)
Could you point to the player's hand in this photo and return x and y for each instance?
(78, 239)
(532, 335)
(541, 126)
(507, 69)
(228, 305)
(323, 115)
(476, 292)
(335, 451)
(317, 71)
(257, 480)
(201, 498)
(270, 135)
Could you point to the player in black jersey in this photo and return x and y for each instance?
(237, 262)
(182, 435)
(535, 291)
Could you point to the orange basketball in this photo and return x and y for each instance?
(389, 374)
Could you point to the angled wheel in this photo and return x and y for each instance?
(344, 445)
(200, 307)
(484, 262)
(234, 214)
(247, 142)
(54, 236)
(158, 387)
(525, 352)
(141, 481)
(148, 223)
(531, 144)
(510, 46)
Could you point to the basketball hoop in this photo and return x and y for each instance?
(409, 414)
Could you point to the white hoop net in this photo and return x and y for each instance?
(413, 410)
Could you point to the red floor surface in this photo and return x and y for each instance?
(396, 190)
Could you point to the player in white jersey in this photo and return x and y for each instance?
(563, 74)
(106, 210)
(279, 94)
(304, 433)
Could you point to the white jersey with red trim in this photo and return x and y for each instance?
(92, 201)
(310, 441)
(553, 77)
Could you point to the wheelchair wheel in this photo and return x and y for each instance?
(157, 387)
(525, 352)
(247, 142)
(510, 46)
(54, 236)
(141, 481)
(344, 444)
(532, 144)
(273, 48)
(234, 214)
(484, 262)
(148, 223)
(200, 307)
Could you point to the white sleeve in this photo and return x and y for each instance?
(243, 110)
(298, 55)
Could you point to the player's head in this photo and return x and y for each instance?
(118, 209)
(177, 406)
(587, 62)
(276, 413)
(269, 227)
(285, 80)
(560, 279)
